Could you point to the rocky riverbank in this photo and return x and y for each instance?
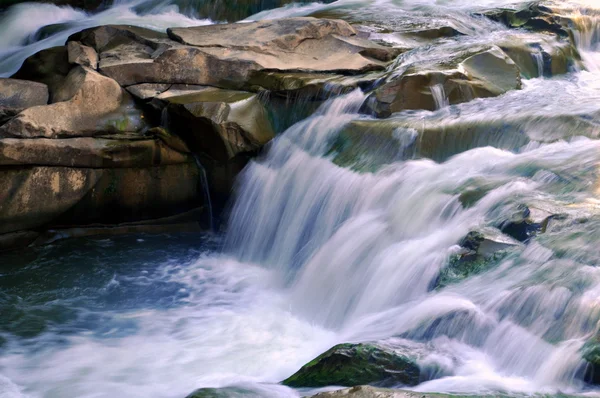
(125, 125)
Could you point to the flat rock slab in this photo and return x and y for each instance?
(88, 152)
(15, 93)
(227, 55)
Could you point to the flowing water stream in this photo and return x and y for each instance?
(318, 254)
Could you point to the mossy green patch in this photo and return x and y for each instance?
(356, 364)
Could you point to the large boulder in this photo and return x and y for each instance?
(219, 123)
(50, 66)
(480, 74)
(16, 93)
(86, 104)
(226, 55)
(40, 196)
(354, 364)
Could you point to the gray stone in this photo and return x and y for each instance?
(82, 55)
(16, 93)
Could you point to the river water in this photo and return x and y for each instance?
(318, 254)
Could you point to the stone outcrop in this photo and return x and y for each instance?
(226, 55)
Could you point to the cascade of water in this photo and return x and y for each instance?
(439, 96)
(360, 253)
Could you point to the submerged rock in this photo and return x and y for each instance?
(480, 251)
(353, 364)
(532, 16)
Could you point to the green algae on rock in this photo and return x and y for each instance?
(353, 364)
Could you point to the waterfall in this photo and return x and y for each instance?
(360, 253)
(439, 96)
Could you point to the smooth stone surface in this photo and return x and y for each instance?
(353, 364)
(481, 74)
(86, 104)
(89, 152)
(226, 55)
(219, 123)
(82, 55)
(50, 66)
(35, 197)
(16, 93)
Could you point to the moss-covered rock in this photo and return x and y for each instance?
(480, 251)
(226, 392)
(353, 364)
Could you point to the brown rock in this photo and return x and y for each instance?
(16, 93)
(35, 197)
(82, 55)
(87, 104)
(88, 152)
(220, 123)
(487, 73)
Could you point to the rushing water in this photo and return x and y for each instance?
(317, 254)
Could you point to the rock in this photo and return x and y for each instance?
(8, 113)
(226, 55)
(310, 86)
(40, 196)
(89, 152)
(486, 73)
(369, 144)
(353, 364)
(374, 392)
(82, 55)
(226, 392)
(219, 123)
(532, 16)
(16, 93)
(480, 251)
(529, 220)
(591, 355)
(540, 55)
(86, 104)
(50, 66)
(16, 240)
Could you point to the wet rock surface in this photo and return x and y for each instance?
(354, 364)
